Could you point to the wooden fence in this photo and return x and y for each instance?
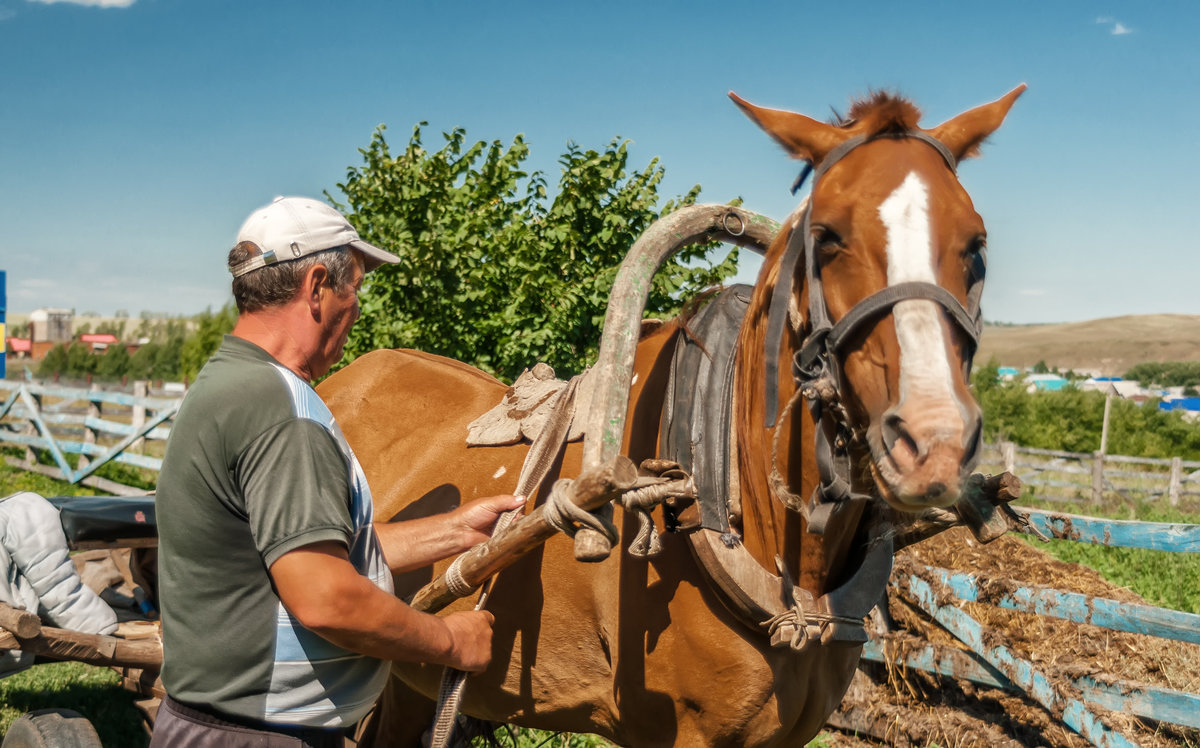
(97, 425)
(984, 656)
(115, 425)
(1079, 476)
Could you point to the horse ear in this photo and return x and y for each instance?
(963, 134)
(802, 137)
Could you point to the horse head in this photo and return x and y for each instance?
(883, 299)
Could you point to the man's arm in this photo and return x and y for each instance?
(414, 543)
(322, 589)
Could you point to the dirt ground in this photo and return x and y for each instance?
(912, 708)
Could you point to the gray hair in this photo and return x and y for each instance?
(277, 284)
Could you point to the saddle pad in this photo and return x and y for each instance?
(695, 426)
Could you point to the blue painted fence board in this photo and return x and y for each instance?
(1157, 536)
(1071, 606)
(1021, 672)
(1127, 697)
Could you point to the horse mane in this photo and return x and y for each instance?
(880, 112)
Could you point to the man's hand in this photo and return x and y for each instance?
(478, 517)
(411, 544)
(472, 634)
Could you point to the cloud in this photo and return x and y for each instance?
(90, 3)
(1118, 28)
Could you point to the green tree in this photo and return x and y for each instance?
(114, 364)
(210, 327)
(55, 361)
(492, 270)
(80, 360)
(1167, 373)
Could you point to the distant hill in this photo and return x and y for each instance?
(1103, 346)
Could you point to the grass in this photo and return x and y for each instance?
(1168, 580)
(94, 692)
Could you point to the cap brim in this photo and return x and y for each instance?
(373, 256)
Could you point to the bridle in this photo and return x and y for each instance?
(815, 367)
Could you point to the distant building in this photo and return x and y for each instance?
(1007, 373)
(1045, 382)
(99, 341)
(1188, 404)
(51, 325)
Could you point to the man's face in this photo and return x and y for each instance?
(339, 312)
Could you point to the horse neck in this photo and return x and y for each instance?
(769, 528)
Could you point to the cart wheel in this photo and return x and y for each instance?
(51, 728)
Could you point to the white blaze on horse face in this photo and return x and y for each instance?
(924, 367)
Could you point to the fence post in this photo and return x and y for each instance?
(89, 433)
(31, 428)
(1097, 477)
(1008, 455)
(141, 389)
(1176, 486)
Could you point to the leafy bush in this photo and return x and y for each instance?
(1167, 374)
(493, 271)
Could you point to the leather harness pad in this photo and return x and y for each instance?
(695, 426)
(90, 518)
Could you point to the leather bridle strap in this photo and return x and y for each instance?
(882, 301)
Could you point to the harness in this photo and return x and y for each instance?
(815, 367)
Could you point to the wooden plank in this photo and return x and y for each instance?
(19, 622)
(1070, 606)
(1127, 697)
(125, 442)
(94, 649)
(70, 447)
(1022, 673)
(1158, 536)
(93, 481)
(71, 394)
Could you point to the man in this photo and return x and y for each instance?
(274, 583)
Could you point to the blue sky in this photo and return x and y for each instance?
(136, 135)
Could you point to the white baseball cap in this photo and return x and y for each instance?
(292, 227)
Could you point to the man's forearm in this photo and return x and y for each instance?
(414, 543)
(320, 587)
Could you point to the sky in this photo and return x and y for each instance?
(136, 135)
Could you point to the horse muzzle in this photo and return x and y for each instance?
(921, 454)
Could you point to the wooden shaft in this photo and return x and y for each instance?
(19, 622)
(589, 491)
(94, 649)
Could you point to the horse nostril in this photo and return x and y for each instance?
(935, 491)
(893, 430)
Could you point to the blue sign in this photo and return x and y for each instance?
(3, 328)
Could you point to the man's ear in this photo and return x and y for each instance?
(315, 283)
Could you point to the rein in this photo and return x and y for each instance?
(815, 367)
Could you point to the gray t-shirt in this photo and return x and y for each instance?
(256, 467)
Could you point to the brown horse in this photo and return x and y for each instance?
(651, 652)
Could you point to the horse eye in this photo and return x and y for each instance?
(826, 239)
(977, 245)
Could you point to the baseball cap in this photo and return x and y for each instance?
(292, 227)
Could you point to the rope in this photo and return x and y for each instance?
(779, 486)
(568, 518)
(640, 501)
